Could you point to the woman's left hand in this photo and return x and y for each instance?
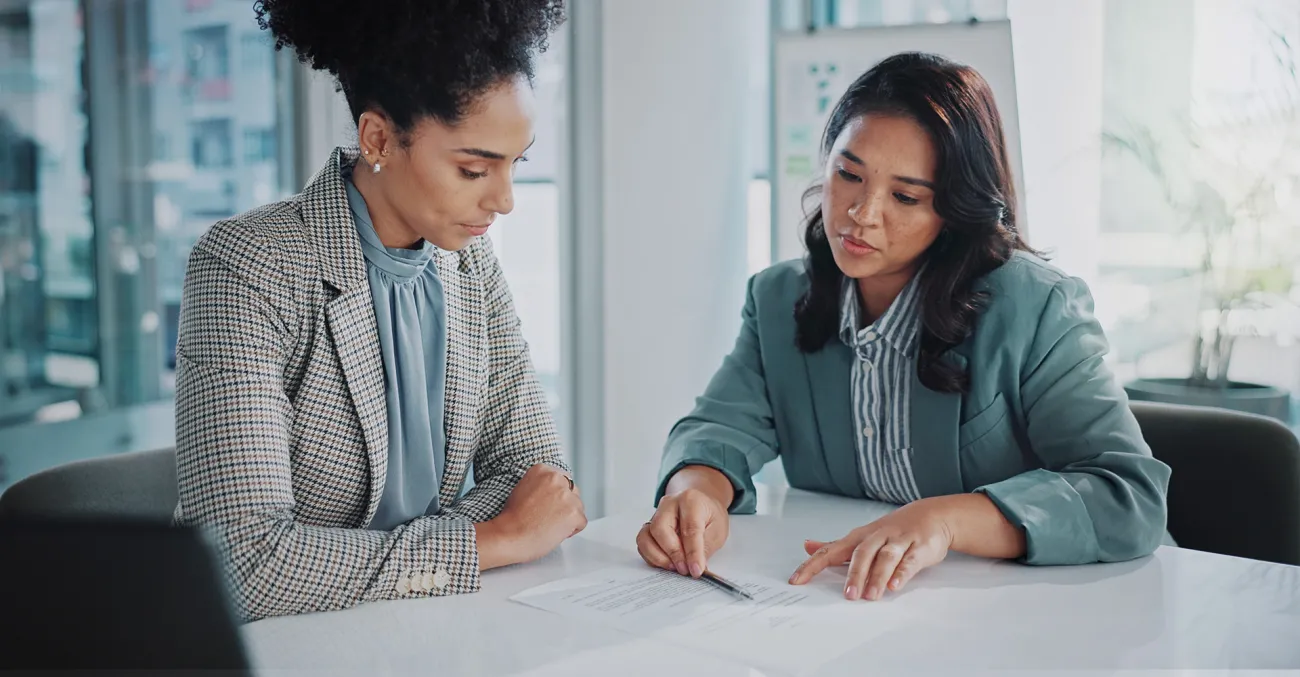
(885, 554)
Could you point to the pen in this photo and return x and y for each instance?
(725, 585)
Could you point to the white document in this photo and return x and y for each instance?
(790, 629)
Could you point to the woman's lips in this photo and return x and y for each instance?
(855, 246)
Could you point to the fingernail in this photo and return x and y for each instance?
(696, 570)
(792, 579)
(873, 593)
(893, 585)
(681, 568)
(851, 592)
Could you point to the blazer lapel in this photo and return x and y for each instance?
(351, 319)
(829, 378)
(466, 364)
(935, 420)
(351, 315)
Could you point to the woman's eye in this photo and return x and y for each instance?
(844, 174)
(905, 199)
(472, 175)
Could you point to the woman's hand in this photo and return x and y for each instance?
(884, 554)
(691, 523)
(887, 553)
(544, 509)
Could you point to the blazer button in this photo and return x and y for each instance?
(403, 585)
(441, 579)
(427, 582)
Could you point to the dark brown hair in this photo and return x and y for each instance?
(974, 195)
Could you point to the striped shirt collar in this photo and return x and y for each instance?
(898, 327)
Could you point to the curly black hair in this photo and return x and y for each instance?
(413, 59)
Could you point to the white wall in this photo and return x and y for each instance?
(672, 219)
(1058, 61)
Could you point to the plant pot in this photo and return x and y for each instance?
(1238, 396)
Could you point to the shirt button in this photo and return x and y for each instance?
(870, 336)
(868, 431)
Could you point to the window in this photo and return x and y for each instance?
(210, 144)
(257, 54)
(1198, 234)
(259, 145)
(207, 63)
(106, 182)
(162, 147)
(48, 312)
(527, 241)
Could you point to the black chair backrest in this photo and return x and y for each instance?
(137, 485)
(1235, 488)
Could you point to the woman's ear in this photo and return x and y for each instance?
(375, 135)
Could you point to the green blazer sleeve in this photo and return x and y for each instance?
(1100, 495)
(731, 428)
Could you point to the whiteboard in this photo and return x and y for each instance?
(812, 70)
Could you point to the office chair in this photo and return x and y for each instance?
(140, 485)
(1235, 488)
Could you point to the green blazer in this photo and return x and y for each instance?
(1044, 431)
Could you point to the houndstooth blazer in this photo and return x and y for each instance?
(281, 421)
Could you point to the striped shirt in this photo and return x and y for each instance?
(882, 389)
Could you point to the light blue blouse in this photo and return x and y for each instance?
(411, 312)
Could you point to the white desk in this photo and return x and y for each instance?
(1179, 609)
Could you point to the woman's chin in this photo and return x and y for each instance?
(856, 267)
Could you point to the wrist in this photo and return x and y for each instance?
(947, 511)
(976, 526)
(493, 541)
(705, 479)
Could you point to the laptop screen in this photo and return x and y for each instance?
(98, 594)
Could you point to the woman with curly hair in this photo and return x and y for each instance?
(347, 356)
(920, 355)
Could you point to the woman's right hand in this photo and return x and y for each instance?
(691, 523)
(544, 509)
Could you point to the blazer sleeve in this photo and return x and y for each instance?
(731, 428)
(233, 429)
(1100, 495)
(516, 429)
